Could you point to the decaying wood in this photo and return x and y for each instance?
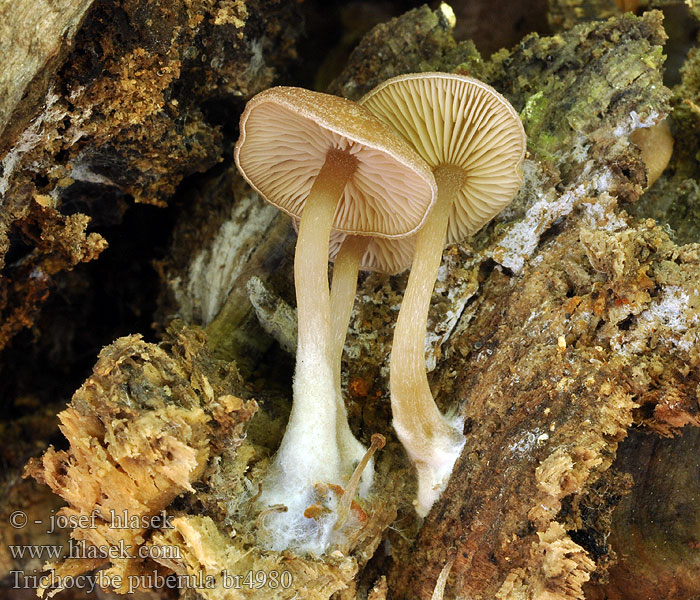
(141, 430)
(34, 40)
(551, 360)
(655, 526)
(148, 424)
(217, 248)
(565, 14)
(110, 110)
(552, 357)
(558, 330)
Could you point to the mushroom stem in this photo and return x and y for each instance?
(343, 289)
(309, 450)
(432, 443)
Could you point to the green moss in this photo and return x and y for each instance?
(533, 116)
(583, 83)
(654, 59)
(534, 108)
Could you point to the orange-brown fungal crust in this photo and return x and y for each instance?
(286, 134)
(358, 387)
(314, 511)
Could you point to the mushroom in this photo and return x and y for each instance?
(351, 254)
(655, 144)
(342, 296)
(474, 141)
(333, 165)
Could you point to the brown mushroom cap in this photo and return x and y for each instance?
(656, 146)
(286, 134)
(456, 120)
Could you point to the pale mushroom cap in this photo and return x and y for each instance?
(285, 136)
(384, 255)
(457, 120)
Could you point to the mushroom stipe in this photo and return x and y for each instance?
(333, 165)
(474, 141)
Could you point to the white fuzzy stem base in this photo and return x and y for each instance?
(432, 443)
(309, 454)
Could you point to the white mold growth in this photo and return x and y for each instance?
(591, 191)
(635, 121)
(29, 139)
(292, 530)
(522, 239)
(527, 442)
(82, 172)
(671, 319)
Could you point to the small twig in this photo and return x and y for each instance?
(439, 590)
(377, 443)
(254, 499)
(275, 316)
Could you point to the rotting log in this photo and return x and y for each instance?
(47, 30)
(103, 101)
(542, 328)
(217, 247)
(532, 348)
(580, 338)
(656, 527)
(555, 331)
